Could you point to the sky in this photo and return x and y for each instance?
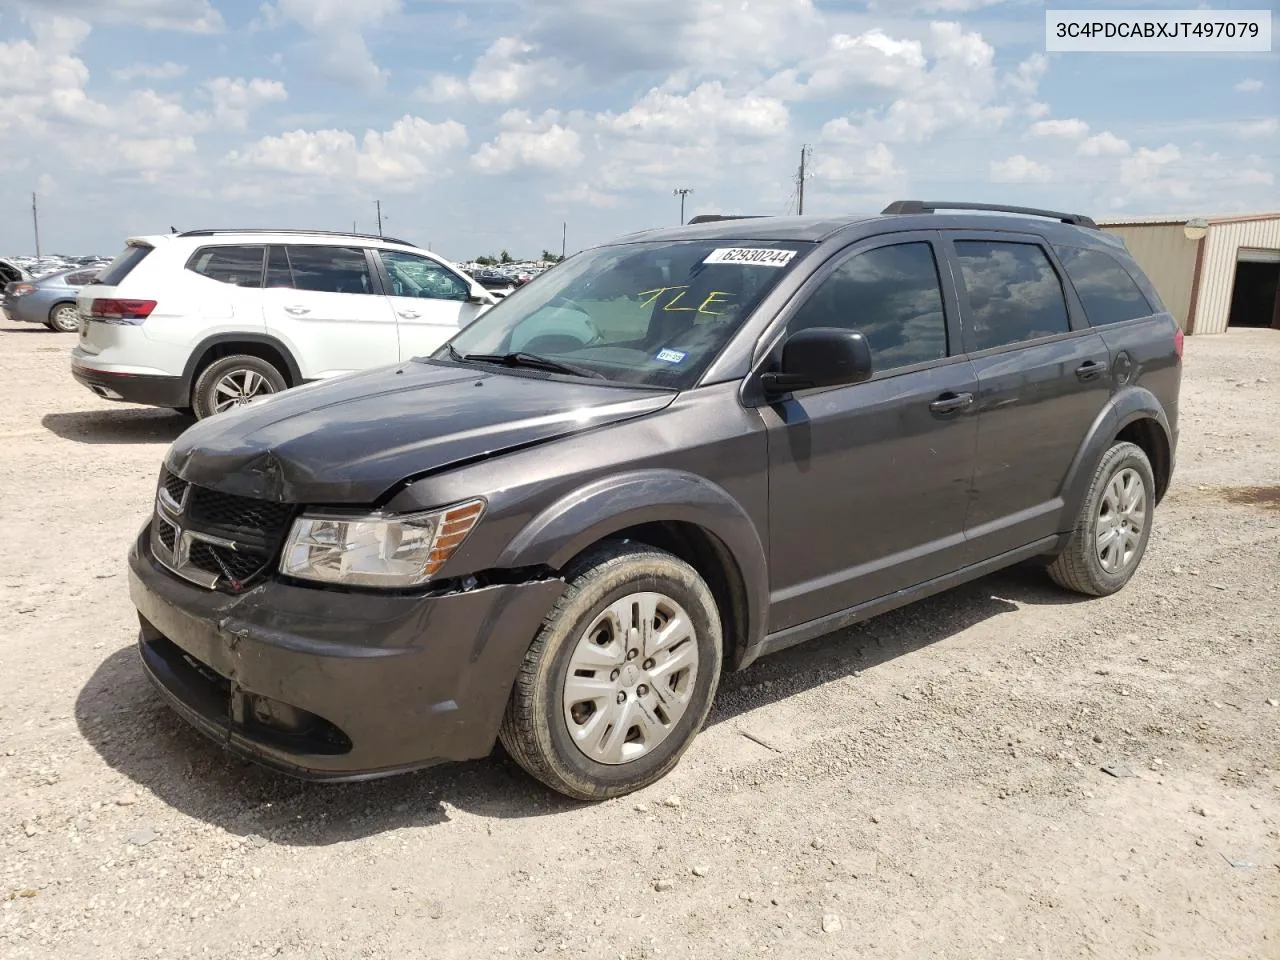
(483, 125)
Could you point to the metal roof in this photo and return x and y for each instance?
(1172, 220)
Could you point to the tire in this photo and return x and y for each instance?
(206, 396)
(1086, 565)
(589, 762)
(64, 319)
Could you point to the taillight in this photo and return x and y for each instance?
(22, 289)
(1178, 339)
(121, 311)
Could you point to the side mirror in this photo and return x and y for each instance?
(820, 357)
(480, 295)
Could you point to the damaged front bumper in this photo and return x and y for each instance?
(331, 685)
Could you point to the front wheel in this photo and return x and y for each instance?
(64, 319)
(232, 382)
(620, 677)
(1111, 533)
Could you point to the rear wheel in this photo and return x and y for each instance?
(64, 319)
(1111, 533)
(232, 382)
(620, 678)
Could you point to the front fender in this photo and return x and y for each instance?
(594, 512)
(1130, 404)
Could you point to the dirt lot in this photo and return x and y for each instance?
(928, 784)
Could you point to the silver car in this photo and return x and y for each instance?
(50, 300)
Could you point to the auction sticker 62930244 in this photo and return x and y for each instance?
(756, 256)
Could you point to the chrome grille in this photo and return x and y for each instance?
(218, 540)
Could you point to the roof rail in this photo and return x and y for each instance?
(933, 206)
(288, 232)
(717, 217)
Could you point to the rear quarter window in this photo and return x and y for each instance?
(238, 266)
(124, 264)
(1106, 289)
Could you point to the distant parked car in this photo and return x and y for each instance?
(11, 272)
(209, 320)
(50, 300)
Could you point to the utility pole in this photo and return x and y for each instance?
(35, 220)
(681, 192)
(379, 204)
(804, 161)
(564, 239)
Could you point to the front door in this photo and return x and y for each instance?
(868, 484)
(430, 301)
(1044, 376)
(323, 302)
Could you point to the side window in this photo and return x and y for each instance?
(330, 269)
(1108, 292)
(237, 266)
(413, 276)
(279, 273)
(81, 278)
(892, 296)
(1014, 293)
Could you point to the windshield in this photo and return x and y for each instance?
(652, 314)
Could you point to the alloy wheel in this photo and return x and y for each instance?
(238, 387)
(1122, 516)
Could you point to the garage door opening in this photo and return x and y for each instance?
(1256, 300)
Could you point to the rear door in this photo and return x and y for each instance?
(869, 483)
(431, 303)
(1044, 376)
(325, 303)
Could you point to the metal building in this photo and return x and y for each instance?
(1212, 272)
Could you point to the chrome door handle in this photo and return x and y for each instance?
(297, 311)
(951, 402)
(1091, 370)
(409, 314)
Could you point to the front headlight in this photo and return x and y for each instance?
(377, 551)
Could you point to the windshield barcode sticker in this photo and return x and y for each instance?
(752, 256)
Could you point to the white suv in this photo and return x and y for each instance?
(210, 319)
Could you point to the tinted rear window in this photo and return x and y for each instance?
(330, 269)
(239, 266)
(81, 278)
(1013, 292)
(123, 265)
(1108, 292)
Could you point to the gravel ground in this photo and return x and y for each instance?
(927, 784)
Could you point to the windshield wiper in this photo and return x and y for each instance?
(532, 360)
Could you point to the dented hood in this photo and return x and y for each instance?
(351, 440)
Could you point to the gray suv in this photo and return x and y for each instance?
(754, 432)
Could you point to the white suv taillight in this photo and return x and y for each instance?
(121, 311)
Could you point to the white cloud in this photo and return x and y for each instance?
(870, 171)
(1019, 169)
(1072, 129)
(702, 113)
(234, 100)
(1248, 86)
(525, 142)
(699, 37)
(1026, 79)
(957, 88)
(188, 16)
(934, 6)
(150, 71)
(506, 72)
(583, 194)
(869, 61)
(1105, 144)
(337, 49)
(1253, 129)
(412, 152)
